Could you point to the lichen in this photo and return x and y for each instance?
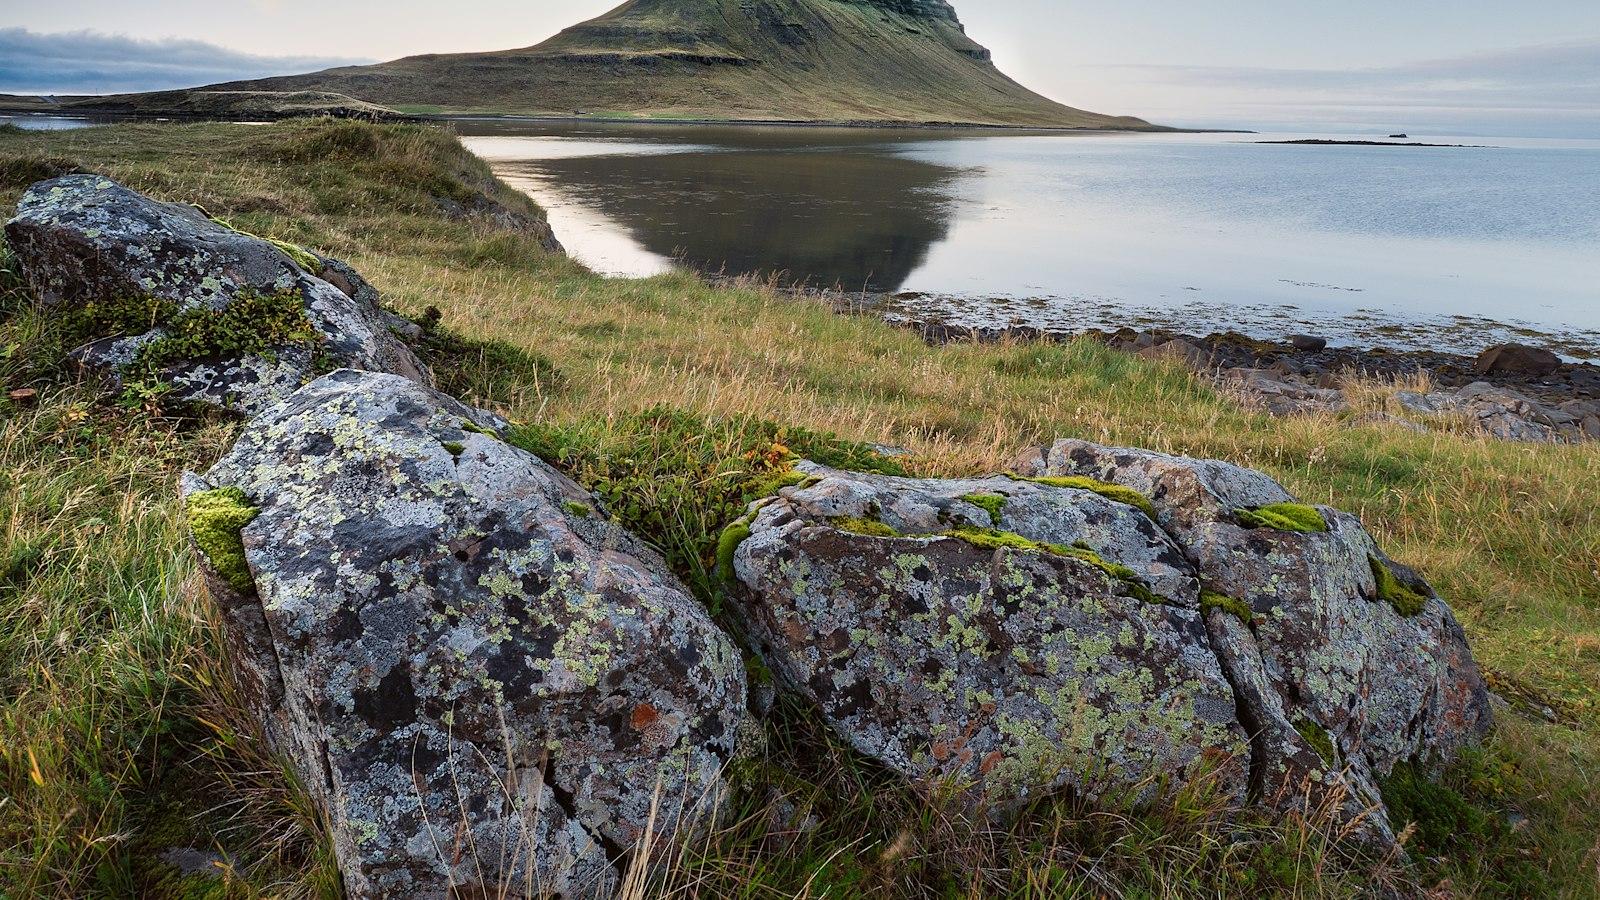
(217, 519)
(1210, 600)
(864, 527)
(993, 504)
(1393, 591)
(297, 254)
(1131, 583)
(1297, 517)
(1319, 740)
(1115, 492)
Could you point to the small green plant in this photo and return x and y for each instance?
(1106, 489)
(216, 519)
(252, 325)
(993, 504)
(1393, 591)
(1296, 517)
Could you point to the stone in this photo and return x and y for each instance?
(479, 678)
(938, 640)
(1517, 359)
(1181, 350)
(86, 244)
(1285, 398)
(1308, 343)
(1340, 674)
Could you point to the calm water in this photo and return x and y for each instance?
(1374, 245)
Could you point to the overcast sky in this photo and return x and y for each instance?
(1503, 67)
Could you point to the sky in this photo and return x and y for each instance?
(1467, 67)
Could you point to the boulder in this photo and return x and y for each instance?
(1000, 637)
(1182, 351)
(1517, 359)
(1307, 343)
(167, 294)
(1280, 397)
(1344, 662)
(486, 685)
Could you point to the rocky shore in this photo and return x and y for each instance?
(1508, 391)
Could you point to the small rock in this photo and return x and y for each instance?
(1181, 350)
(1308, 343)
(1517, 359)
(190, 861)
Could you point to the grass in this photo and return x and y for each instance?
(118, 736)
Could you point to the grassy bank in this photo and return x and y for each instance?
(118, 738)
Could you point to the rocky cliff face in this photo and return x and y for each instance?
(925, 9)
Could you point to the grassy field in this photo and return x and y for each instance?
(119, 739)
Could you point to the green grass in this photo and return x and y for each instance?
(680, 402)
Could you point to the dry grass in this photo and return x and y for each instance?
(1509, 533)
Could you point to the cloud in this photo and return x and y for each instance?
(1553, 89)
(90, 62)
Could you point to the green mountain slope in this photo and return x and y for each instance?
(897, 61)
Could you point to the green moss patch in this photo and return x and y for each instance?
(216, 519)
(1131, 583)
(864, 527)
(581, 510)
(1241, 610)
(1319, 740)
(993, 504)
(1393, 591)
(297, 254)
(1106, 489)
(455, 448)
(727, 544)
(1296, 517)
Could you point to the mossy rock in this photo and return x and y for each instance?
(1393, 591)
(1106, 489)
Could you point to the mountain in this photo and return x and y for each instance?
(892, 61)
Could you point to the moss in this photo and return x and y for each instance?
(216, 519)
(1393, 591)
(472, 427)
(1319, 740)
(456, 448)
(1210, 600)
(1296, 517)
(1106, 489)
(252, 325)
(864, 527)
(581, 510)
(297, 254)
(993, 504)
(1131, 583)
(728, 544)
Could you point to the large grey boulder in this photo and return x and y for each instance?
(159, 279)
(1002, 637)
(491, 689)
(1344, 662)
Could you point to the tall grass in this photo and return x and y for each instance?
(118, 738)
